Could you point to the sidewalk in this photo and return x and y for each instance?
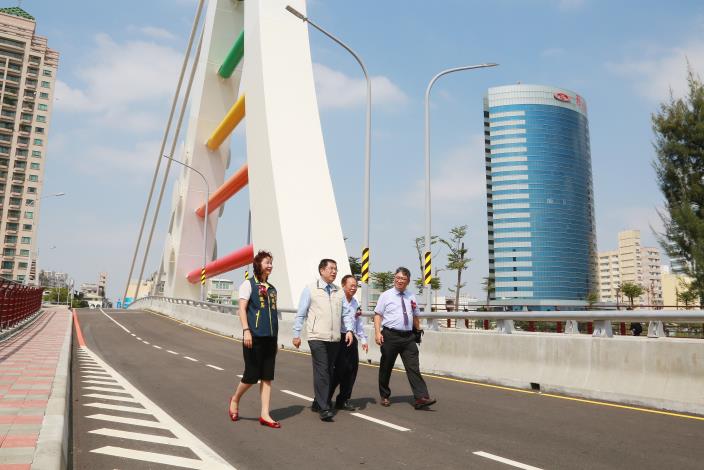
(34, 367)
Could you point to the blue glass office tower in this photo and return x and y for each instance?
(540, 203)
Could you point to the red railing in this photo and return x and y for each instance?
(17, 302)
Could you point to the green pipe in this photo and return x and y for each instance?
(233, 57)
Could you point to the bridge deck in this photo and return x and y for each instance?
(187, 375)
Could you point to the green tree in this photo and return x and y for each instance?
(355, 266)
(687, 297)
(631, 290)
(489, 286)
(679, 165)
(56, 295)
(457, 258)
(382, 280)
(420, 249)
(592, 298)
(686, 294)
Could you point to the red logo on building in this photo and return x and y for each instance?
(562, 97)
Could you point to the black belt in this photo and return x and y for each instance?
(399, 332)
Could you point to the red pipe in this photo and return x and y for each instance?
(234, 260)
(228, 189)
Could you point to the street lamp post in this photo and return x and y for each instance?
(205, 222)
(427, 273)
(367, 156)
(36, 256)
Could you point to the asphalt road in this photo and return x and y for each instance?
(177, 380)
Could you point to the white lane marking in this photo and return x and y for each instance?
(145, 342)
(158, 347)
(295, 394)
(157, 458)
(140, 339)
(130, 409)
(99, 377)
(138, 436)
(133, 334)
(103, 389)
(99, 382)
(379, 421)
(214, 367)
(513, 463)
(111, 318)
(190, 359)
(209, 459)
(171, 352)
(132, 421)
(91, 369)
(239, 375)
(110, 397)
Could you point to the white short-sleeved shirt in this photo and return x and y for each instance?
(245, 290)
(390, 308)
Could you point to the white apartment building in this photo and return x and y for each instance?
(633, 263)
(27, 74)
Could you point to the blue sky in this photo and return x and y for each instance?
(119, 61)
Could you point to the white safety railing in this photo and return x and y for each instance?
(600, 319)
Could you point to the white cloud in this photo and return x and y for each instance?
(157, 33)
(119, 75)
(136, 161)
(458, 181)
(337, 90)
(662, 70)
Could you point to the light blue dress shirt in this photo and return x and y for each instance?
(391, 311)
(351, 308)
(304, 305)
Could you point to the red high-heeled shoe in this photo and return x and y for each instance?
(271, 424)
(233, 416)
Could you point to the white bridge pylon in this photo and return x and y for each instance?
(294, 214)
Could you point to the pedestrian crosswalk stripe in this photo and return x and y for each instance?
(157, 458)
(130, 409)
(102, 396)
(139, 436)
(103, 389)
(132, 421)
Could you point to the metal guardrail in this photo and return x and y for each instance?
(600, 320)
(17, 302)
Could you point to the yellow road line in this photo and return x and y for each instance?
(479, 384)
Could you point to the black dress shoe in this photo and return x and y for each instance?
(347, 406)
(315, 407)
(424, 402)
(327, 415)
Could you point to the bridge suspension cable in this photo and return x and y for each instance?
(177, 132)
(184, 65)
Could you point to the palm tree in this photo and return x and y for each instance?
(489, 284)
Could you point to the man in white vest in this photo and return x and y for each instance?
(321, 305)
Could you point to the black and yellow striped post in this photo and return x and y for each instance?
(427, 269)
(202, 276)
(246, 274)
(365, 265)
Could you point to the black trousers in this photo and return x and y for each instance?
(402, 343)
(324, 354)
(346, 367)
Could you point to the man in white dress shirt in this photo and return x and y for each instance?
(347, 362)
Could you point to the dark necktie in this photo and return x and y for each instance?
(328, 289)
(405, 313)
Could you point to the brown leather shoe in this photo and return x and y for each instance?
(424, 402)
(385, 402)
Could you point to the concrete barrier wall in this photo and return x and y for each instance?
(664, 373)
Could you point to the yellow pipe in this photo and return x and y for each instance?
(227, 125)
